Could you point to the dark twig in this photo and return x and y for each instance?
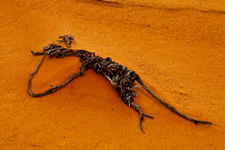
(170, 107)
(122, 79)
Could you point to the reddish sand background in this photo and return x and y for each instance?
(176, 47)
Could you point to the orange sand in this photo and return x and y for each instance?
(177, 49)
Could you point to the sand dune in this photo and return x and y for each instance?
(203, 5)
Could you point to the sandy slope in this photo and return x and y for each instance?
(206, 5)
(177, 49)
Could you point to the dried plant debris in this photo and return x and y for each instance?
(121, 78)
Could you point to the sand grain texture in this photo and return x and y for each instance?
(177, 48)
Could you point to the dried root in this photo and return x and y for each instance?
(120, 77)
